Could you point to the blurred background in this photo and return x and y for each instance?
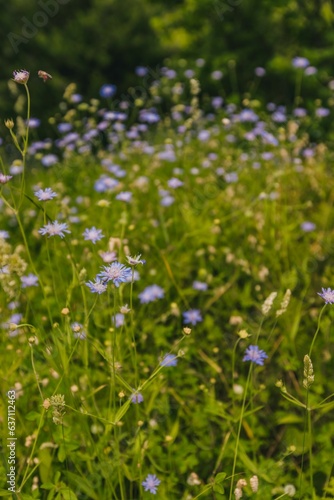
(94, 42)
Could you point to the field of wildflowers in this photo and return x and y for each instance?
(166, 277)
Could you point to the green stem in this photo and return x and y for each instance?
(317, 331)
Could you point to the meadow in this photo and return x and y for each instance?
(166, 302)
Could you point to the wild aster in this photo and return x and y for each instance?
(5, 178)
(151, 483)
(117, 273)
(30, 280)
(137, 398)
(169, 360)
(45, 194)
(93, 234)
(254, 354)
(151, 293)
(98, 287)
(327, 295)
(21, 76)
(54, 229)
(134, 261)
(192, 317)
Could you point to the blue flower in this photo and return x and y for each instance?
(54, 229)
(108, 90)
(93, 234)
(169, 360)
(78, 331)
(117, 273)
(151, 293)
(327, 295)
(254, 354)
(45, 194)
(124, 196)
(137, 398)
(119, 320)
(49, 160)
(30, 280)
(200, 285)
(192, 317)
(151, 483)
(97, 287)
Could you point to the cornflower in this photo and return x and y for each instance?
(54, 229)
(45, 194)
(192, 317)
(151, 483)
(117, 273)
(254, 354)
(93, 234)
(327, 295)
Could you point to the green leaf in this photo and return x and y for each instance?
(82, 484)
(218, 488)
(220, 477)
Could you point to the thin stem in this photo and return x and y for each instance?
(317, 331)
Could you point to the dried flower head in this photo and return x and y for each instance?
(9, 123)
(308, 372)
(284, 303)
(268, 303)
(44, 75)
(21, 76)
(254, 483)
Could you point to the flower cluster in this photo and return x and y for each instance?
(116, 273)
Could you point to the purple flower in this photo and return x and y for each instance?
(260, 71)
(151, 293)
(98, 287)
(4, 235)
(308, 226)
(174, 183)
(30, 280)
(254, 354)
(192, 317)
(117, 273)
(300, 62)
(54, 229)
(169, 360)
(49, 160)
(322, 112)
(151, 483)
(119, 320)
(327, 295)
(108, 256)
(21, 76)
(108, 90)
(137, 398)
(217, 75)
(45, 194)
(200, 285)
(124, 196)
(93, 234)
(5, 178)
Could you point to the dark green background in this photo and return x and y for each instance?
(93, 42)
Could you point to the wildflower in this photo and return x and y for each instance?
(174, 183)
(118, 320)
(307, 226)
(193, 479)
(200, 285)
(108, 256)
(238, 493)
(54, 229)
(186, 330)
(300, 62)
(44, 75)
(151, 483)
(9, 123)
(21, 76)
(49, 160)
(4, 235)
(30, 280)
(267, 305)
(108, 90)
(124, 309)
(254, 354)
(151, 293)
(308, 372)
(254, 483)
(116, 272)
(193, 316)
(284, 303)
(5, 178)
(78, 330)
(45, 194)
(290, 490)
(259, 71)
(169, 360)
(98, 287)
(137, 398)
(124, 196)
(134, 261)
(327, 295)
(93, 234)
